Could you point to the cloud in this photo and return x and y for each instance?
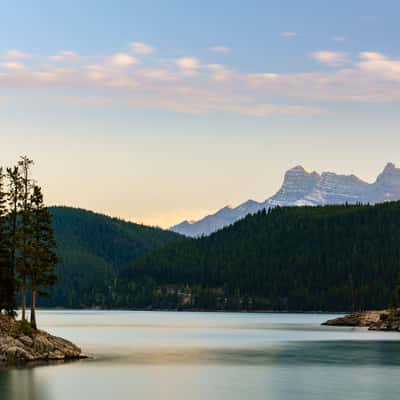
(142, 48)
(188, 63)
(64, 55)
(186, 85)
(188, 66)
(263, 77)
(288, 34)
(122, 60)
(219, 49)
(332, 58)
(194, 102)
(157, 74)
(363, 82)
(96, 72)
(13, 65)
(219, 72)
(15, 54)
(379, 65)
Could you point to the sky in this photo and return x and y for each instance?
(161, 111)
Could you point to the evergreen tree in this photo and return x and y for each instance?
(396, 294)
(14, 203)
(7, 281)
(330, 258)
(42, 246)
(24, 230)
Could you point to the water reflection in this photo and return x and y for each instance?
(288, 354)
(22, 384)
(211, 356)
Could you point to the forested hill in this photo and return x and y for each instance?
(300, 258)
(92, 249)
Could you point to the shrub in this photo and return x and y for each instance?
(25, 328)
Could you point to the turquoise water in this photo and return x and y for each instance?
(168, 355)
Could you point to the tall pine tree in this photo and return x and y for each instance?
(14, 203)
(43, 257)
(7, 278)
(24, 231)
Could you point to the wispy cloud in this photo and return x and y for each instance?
(123, 60)
(65, 55)
(289, 34)
(157, 74)
(188, 65)
(15, 54)
(379, 65)
(195, 102)
(220, 72)
(219, 49)
(327, 57)
(13, 65)
(188, 85)
(188, 62)
(142, 48)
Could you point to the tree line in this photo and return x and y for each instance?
(328, 258)
(27, 245)
(92, 250)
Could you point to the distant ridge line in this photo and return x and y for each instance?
(301, 188)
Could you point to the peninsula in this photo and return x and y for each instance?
(19, 344)
(386, 320)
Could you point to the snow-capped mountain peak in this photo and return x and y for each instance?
(301, 188)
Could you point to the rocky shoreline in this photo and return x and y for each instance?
(386, 320)
(20, 345)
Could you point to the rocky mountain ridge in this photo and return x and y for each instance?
(301, 188)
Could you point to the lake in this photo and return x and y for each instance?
(225, 356)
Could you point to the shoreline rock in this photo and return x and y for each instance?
(18, 347)
(384, 320)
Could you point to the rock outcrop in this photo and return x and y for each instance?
(297, 184)
(386, 320)
(19, 346)
(389, 321)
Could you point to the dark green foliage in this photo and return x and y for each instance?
(92, 250)
(43, 258)
(395, 303)
(25, 327)
(22, 183)
(7, 279)
(14, 205)
(27, 257)
(299, 258)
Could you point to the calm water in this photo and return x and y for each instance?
(154, 355)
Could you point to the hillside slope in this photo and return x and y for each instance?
(291, 258)
(93, 248)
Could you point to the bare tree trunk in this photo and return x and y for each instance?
(33, 309)
(23, 300)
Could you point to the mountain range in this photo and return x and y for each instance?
(302, 188)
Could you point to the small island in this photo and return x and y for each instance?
(27, 268)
